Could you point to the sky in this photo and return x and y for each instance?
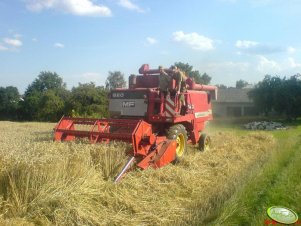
(82, 40)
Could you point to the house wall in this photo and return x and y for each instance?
(233, 109)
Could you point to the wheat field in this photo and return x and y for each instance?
(51, 183)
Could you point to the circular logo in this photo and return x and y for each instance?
(282, 215)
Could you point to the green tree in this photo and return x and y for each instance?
(30, 106)
(264, 93)
(203, 79)
(288, 97)
(9, 102)
(184, 67)
(241, 84)
(89, 100)
(46, 81)
(277, 94)
(45, 98)
(51, 106)
(115, 79)
(195, 74)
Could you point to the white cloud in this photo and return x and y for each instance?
(130, 5)
(76, 7)
(227, 72)
(245, 44)
(256, 48)
(34, 39)
(267, 66)
(3, 48)
(13, 42)
(194, 40)
(230, 65)
(291, 50)
(293, 63)
(59, 45)
(151, 40)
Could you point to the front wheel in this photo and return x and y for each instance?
(204, 142)
(179, 134)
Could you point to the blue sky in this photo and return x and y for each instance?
(82, 40)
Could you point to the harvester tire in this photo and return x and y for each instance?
(178, 133)
(204, 142)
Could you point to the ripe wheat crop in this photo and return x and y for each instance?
(51, 183)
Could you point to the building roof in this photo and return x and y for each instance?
(233, 95)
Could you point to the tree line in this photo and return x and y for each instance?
(48, 99)
(276, 95)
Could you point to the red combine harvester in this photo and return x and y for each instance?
(155, 125)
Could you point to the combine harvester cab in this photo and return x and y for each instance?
(155, 125)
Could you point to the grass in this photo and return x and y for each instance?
(50, 183)
(276, 183)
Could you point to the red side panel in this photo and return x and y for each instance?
(142, 136)
(164, 154)
(199, 104)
